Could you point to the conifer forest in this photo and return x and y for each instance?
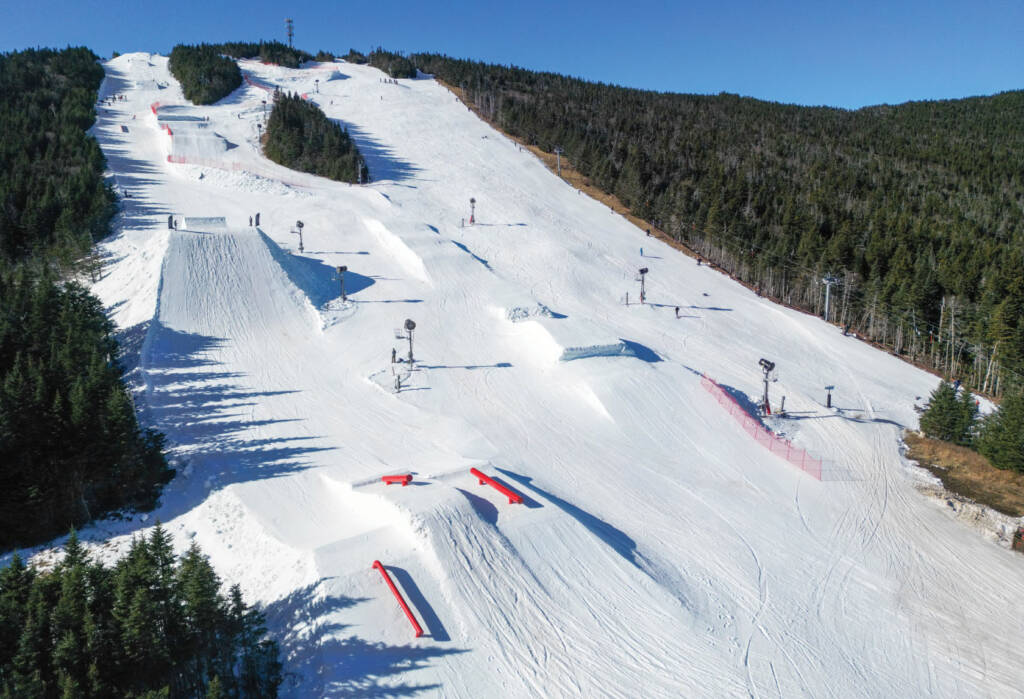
(71, 448)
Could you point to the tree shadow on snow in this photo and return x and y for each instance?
(208, 420)
(320, 661)
(381, 160)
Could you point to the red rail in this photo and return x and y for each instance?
(513, 496)
(405, 479)
(401, 600)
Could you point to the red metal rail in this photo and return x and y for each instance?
(401, 600)
(405, 479)
(513, 496)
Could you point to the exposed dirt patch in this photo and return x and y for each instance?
(968, 473)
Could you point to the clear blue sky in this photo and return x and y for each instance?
(845, 54)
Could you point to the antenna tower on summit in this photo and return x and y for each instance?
(291, 30)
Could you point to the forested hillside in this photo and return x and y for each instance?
(205, 75)
(70, 447)
(207, 72)
(149, 626)
(52, 196)
(301, 137)
(916, 209)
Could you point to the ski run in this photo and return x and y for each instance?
(660, 549)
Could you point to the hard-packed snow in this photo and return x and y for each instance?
(659, 552)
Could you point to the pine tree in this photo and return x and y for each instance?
(1001, 438)
(943, 415)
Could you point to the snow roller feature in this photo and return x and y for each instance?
(401, 600)
(513, 496)
(405, 479)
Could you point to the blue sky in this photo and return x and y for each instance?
(845, 54)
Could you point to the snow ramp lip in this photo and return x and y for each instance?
(622, 348)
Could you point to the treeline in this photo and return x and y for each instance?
(301, 137)
(71, 448)
(354, 56)
(53, 199)
(394, 64)
(207, 72)
(267, 51)
(152, 625)
(917, 209)
(951, 414)
(205, 75)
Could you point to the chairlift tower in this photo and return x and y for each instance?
(410, 325)
(828, 280)
(643, 292)
(341, 279)
(767, 367)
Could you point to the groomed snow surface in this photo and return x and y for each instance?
(660, 552)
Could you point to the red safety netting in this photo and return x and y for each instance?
(763, 436)
(255, 83)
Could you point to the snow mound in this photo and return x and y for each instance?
(538, 310)
(395, 246)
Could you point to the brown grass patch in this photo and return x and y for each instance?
(968, 473)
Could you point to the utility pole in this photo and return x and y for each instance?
(643, 293)
(290, 27)
(558, 159)
(828, 280)
(341, 278)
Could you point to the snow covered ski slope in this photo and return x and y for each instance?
(659, 551)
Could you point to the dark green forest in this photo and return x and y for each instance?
(53, 199)
(208, 74)
(301, 137)
(269, 52)
(152, 625)
(71, 449)
(917, 209)
(394, 64)
(205, 75)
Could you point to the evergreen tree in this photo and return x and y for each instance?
(153, 626)
(301, 137)
(946, 417)
(1001, 438)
